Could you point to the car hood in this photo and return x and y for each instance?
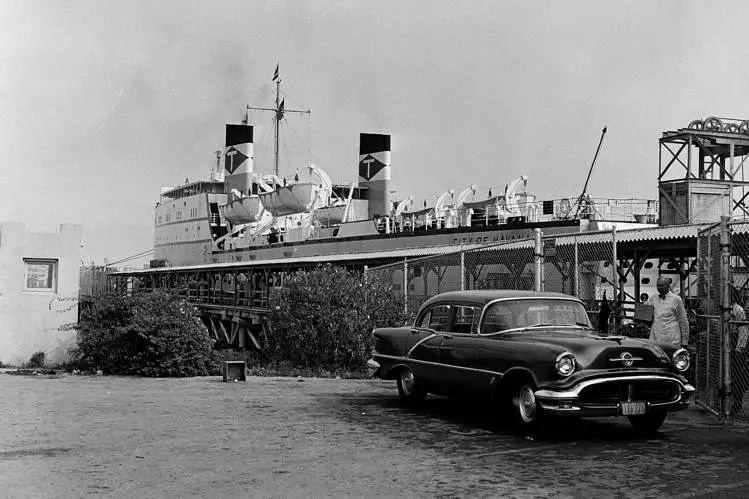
(595, 351)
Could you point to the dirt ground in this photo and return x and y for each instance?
(73, 436)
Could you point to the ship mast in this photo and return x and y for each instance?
(280, 110)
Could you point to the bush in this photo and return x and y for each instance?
(151, 334)
(323, 318)
(36, 361)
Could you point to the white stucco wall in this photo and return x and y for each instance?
(30, 319)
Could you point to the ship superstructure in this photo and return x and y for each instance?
(246, 214)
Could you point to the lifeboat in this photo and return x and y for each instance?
(290, 199)
(330, 215)
(244, 210)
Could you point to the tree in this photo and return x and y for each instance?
(325, 317)
(150, 334)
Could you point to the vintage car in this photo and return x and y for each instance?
(532, 354)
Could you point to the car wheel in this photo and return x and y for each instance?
(410, 390)
(527, 412)
(648, 423)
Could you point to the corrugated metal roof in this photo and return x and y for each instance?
(623, 236)
(740, 227)
(398, 253)
(632, 235)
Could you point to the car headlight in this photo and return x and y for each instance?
(565, 364)
(680, 358)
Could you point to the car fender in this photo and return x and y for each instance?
(392, 370)
(509, 377)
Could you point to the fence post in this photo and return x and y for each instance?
(575, 275)
(615, 266)
(462, 270)
(725, 314)
(538, 254)
(405, 286)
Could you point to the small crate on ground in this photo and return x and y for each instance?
(234, 370)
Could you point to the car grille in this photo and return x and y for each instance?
(612, 392)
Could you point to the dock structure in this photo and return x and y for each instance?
(233, 298)
(701, 181)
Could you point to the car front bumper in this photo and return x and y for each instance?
(575, 402)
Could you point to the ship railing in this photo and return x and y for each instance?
(610, 209)
(607, 209)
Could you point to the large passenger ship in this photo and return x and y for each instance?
(249, 212)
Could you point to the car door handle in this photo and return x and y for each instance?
(447, 336)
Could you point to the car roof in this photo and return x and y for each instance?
(484, 296)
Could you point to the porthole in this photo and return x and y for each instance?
(644, 297)
(648, 265)
(645, 280)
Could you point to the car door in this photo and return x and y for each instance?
(496, 354)
(424, 357)
(459, 351)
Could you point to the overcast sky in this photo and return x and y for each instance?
(104, 102)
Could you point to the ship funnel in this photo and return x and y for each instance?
(374, 172)
(238, 157)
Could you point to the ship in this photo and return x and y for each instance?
(250, 213)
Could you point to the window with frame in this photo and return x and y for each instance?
(436, 318)
(40, 274)
(466, 319)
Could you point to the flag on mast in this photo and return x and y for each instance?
(279, 112)
(275, 75)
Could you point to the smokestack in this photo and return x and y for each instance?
(238, 157)
(374, 171)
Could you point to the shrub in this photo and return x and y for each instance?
(36, 360)
(150, 334)
(324, 318)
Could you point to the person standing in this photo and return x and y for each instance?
(739, 360)
(670, 324)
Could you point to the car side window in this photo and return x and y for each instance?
(438, 317)
(498, 318)
(423, 321)
(466, 319)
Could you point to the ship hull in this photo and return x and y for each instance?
(372, 244)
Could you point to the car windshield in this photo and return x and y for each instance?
(534, 312)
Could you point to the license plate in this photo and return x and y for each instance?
(633, 408)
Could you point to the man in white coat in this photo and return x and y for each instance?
(670, 325)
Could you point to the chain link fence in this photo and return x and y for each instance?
(722, 329)
(707, 323)
(739, 330)
(580, 265)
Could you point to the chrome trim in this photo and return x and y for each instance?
(556, 408)
(433, 335)
(625, 358)
(575, 392)
(430, 363)
(574, 363)
(689, 359)
(372, 367)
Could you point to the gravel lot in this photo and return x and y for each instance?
(73, 436)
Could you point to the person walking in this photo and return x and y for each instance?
(739, 360)
(670, 325)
